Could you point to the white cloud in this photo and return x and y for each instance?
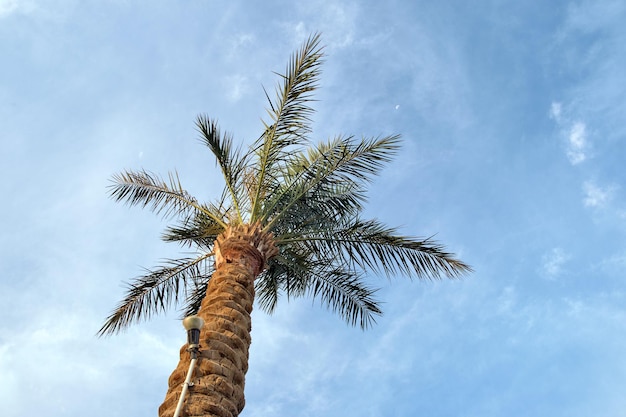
(337, 22)
(553, 261)
(7, 7)
(555, 111)
(58, 345)
(614, 264)
(577, 145)
(575, 132)
(239, 87)
(9, 381)
(586, 43)
(596, 196)
(238, 43)
(47, 9)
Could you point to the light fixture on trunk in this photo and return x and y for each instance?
(193, 325)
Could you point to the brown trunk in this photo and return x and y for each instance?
(218, 379)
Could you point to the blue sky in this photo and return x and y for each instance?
(512, 115)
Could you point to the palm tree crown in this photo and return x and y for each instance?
(306, 197)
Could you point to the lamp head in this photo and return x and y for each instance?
(193, 324)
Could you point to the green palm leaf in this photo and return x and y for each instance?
(289, 114)
(141, 188)
(344, 293)
(198, 231)
(230, 162)
(343, 164)
(195, 295)
(301, 274)
(156, 291)
(309, 197)
(369, 245)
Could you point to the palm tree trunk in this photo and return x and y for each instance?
(218, 383)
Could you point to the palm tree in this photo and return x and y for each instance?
(288, 222)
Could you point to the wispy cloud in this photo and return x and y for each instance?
(553, 262)
(49, 9)
(614, 264)
(62, 339)
(336, 21)
(239, 87)
(555, 111)
(597, 196)
(586, 46)
(7, 7)
(577, 145)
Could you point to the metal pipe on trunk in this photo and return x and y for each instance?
(186, 384)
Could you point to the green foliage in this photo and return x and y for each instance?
(310, 196)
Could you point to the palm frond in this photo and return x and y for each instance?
(298, 275)
(141, 188)
(267, 286)
(229, 159)
(343, 292)
(339, 164)
(309, 197)
(289, 114)
(369, 245)
(321, 211)
(288, 273)
(155, 292)
(196, 294)
(199, 229)
(345, 157)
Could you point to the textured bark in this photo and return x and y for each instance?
(241, 254)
